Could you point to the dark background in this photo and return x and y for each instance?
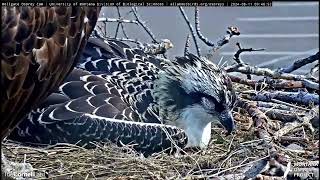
(287, 30)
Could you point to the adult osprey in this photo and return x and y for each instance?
(128, 96)
(39, 47)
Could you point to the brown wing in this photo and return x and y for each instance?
(39, 47)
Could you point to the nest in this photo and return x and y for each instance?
(242, 154)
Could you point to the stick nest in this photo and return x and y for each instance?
(242, 154)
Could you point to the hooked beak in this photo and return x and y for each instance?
(226, 119)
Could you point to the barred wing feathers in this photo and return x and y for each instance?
(111, 102)
(71, 116)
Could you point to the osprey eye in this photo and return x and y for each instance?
(209, 104)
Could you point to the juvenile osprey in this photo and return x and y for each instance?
(39, 47)
(127, 96)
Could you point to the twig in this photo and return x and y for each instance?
(120, 20)
(290, 84)
(309, 84)
(118, 25)
(246, 69)
(230, 155)
(64, 144)
(313, 71)
(72, 173)
(217, 174)
(288, 104)
(104, 30)
(99, 32)
(191, 30)
(305, 121)
(230, 32)
(287, 129)
(278, 111)
(122, 26)
(236, 56)
(279, 105)
(300, 97)
(117, 30)
(146, 28)
(197, 24)
(248, 82)
(275, 83)
(290, 138)
(299, 63)
(187, 45)
(283, 115)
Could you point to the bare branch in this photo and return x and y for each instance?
(97, 33)
(314, 113)
(248, 82)
(196, 18)
(187, 45)
(230, 32)
(122, 26)
(119, 20)
(299, 63)
(300, 97)
(309, 84)
(290, 104)
(314, 69)
(101, 28)
(291, 84)
(191, 30)
(278, 106)
(98, 30)
(246, 69)
(118, 25)
(275, 83)
(314, 73)
(304, 80)
(145, 27)
(236, 56)
(290, 138)
(282, 115)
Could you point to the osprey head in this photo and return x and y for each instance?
(193, 92)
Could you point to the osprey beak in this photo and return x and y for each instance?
(226, 119)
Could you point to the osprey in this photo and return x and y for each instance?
(124, 95)
(39, 47)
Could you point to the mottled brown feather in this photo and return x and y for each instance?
(39, 47)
